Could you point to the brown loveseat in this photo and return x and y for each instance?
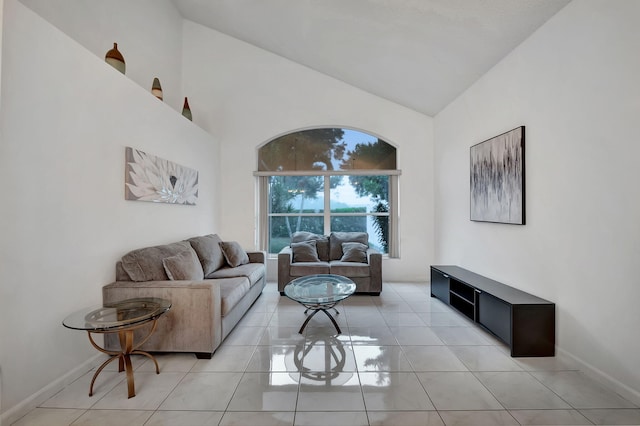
(340, 253)
(211, 284)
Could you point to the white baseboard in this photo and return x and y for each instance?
(14, 413)
(601, 377)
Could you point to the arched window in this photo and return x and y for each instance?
(328, 180)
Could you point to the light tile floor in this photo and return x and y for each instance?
(403, 359)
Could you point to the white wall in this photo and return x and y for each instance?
(575, 85)
(1, 142)
(148, 33)
(66, 118)
(246, 96)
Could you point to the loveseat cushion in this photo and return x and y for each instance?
(305, 251)
(234, 254)
(253, 271)
(350, 269)
(337, 238)
(209, 252)
(322, 243)
(301, 269)
(354, 252)
(183, 266)
(145, 264)
(232, 290)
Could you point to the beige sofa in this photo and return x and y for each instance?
(340, 253)
(211, 284)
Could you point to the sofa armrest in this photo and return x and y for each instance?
(374, 258)
(257, 256)
(193, 324)
(285, 258)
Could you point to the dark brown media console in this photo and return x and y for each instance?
(524, 322)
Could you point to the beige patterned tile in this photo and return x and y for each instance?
(266, 392)
(203, 391)
(323, 418)
(190, 418)
(433, 358)
(519, 390)
(380, 358)
(484, 358)
(457, 391)
(330, 392)
(405, 418)
(113, 417)
(581, 391)
(613, 417)
(396, 391)
(478, 418)
(549, 417)
(49, 417)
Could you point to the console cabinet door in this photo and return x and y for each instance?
(495, 315)
(440, 286)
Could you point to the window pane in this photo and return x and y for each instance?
(281, 228)
(376, 226)
(327, 149)
(296, 194)
(360, 193)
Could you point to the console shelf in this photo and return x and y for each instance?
(524, 322)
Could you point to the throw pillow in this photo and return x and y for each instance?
(337, 238)
(305, 251)
(145, 264)
(183, 266)
(209, 252)
(354, 252)
(234, 253)
(322, 243)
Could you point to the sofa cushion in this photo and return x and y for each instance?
(232, 290)
(209, 252)
(183, 266)
(234, 254)
(337, 238)
(305, 251)
(354, 252)
(145, 264)
(322, 243)
(301, 269)
(252, 271)
(350, 269)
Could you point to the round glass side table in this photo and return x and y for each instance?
(123, 318)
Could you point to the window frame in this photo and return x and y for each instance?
(264, 214)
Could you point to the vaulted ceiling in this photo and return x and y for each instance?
(418, 53)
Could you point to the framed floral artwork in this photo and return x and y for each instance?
(150, 178)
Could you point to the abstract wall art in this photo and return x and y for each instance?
(150, 178)
(497, 179)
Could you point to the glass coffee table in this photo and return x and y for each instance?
(123, 318)
(320, 293)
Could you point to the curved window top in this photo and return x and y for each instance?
(327, 149)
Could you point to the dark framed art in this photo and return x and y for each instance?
(497, 179)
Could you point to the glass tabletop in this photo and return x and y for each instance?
(117, 315)
(320, 289)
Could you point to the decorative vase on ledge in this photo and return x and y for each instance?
(186, 111)
(115, 59)
(156, 88)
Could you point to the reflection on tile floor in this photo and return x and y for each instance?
(403, 359)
